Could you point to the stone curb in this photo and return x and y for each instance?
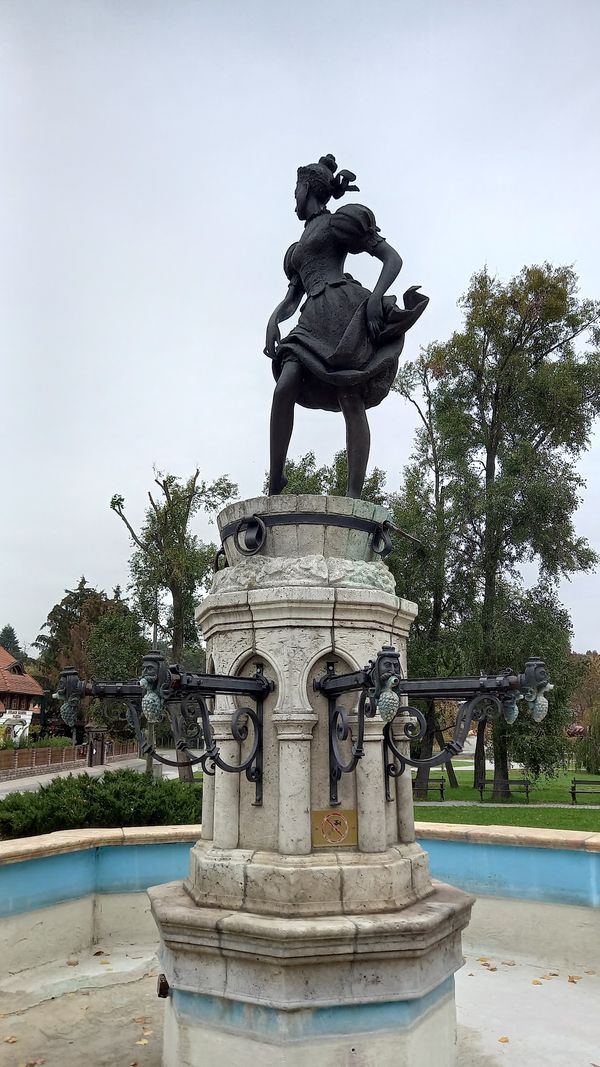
(29, 848)
(25, 848)
(525, 836)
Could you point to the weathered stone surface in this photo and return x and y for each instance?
(268, 572)
(299, 539)
(336, 883)
(290, 962)
(263, 918)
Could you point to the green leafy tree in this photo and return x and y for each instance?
(436, 572)
(585, 713)
(303, 476)
(169, 560)
(64, 640)
(170, 566)
(117, 644)
(10, 642)
(517, 391)
(534, 621)
(116, 648)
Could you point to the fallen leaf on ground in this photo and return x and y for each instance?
(134, 1063)
(72, 963)
(503, 1040)
(470, 974)
(490, 968)
(10, 1040)
(508, 963)
(553, 974)
(536, 981)
(142, 1041)
(482, 959)
(142, 1019)
(100, 952)
(148, 1032)
(590, 972)
(574, 978)
(547, 977)
(105, 963)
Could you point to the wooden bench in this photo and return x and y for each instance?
(592, 785)
(435, 784)
(519, 785)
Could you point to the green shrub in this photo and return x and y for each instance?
(47, 742)
(36, 742)
(118, 798)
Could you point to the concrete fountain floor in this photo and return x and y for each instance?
(520, 1010)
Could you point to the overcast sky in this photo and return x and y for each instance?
(149, 152)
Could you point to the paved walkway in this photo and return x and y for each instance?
(30, 784)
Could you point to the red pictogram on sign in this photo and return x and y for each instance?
(335, 828)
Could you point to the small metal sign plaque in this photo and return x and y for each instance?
(334, 828)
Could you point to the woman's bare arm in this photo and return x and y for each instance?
(290, 302)
(392, 265)
(283, 311)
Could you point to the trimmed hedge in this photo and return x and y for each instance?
(118, 798)
(36, 742)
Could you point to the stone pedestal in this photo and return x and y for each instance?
(291, 936)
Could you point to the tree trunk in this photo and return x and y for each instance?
(452, 779)
(186, 773)
(501, 789)
(177, 640)
(479, 761)
(422, 779)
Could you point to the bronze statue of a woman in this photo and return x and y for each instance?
(343, 354)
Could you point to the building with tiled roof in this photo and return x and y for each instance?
(20, 694)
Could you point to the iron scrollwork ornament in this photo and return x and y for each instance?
(382, 688)
(171, 693)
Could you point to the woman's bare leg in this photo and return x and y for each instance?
(358, 441)
(285, 396)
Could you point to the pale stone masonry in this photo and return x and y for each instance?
(273, 946)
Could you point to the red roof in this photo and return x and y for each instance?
(19, 683)
(6, 660)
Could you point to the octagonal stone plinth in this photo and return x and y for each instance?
(325, 883)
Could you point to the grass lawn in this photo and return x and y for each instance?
(544, 791)
(505, 815)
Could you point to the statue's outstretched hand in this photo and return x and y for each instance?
(375, 317)
(273, 339)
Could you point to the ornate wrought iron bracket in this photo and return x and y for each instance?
(381, 686)
(173, 692)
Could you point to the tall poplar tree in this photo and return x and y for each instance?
(517, 391)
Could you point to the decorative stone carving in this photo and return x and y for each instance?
(264, 572)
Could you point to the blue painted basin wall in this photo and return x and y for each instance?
(547, 874)
(554, 875)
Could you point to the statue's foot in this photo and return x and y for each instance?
(277, 487)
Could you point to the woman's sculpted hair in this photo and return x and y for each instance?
(323, 181)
